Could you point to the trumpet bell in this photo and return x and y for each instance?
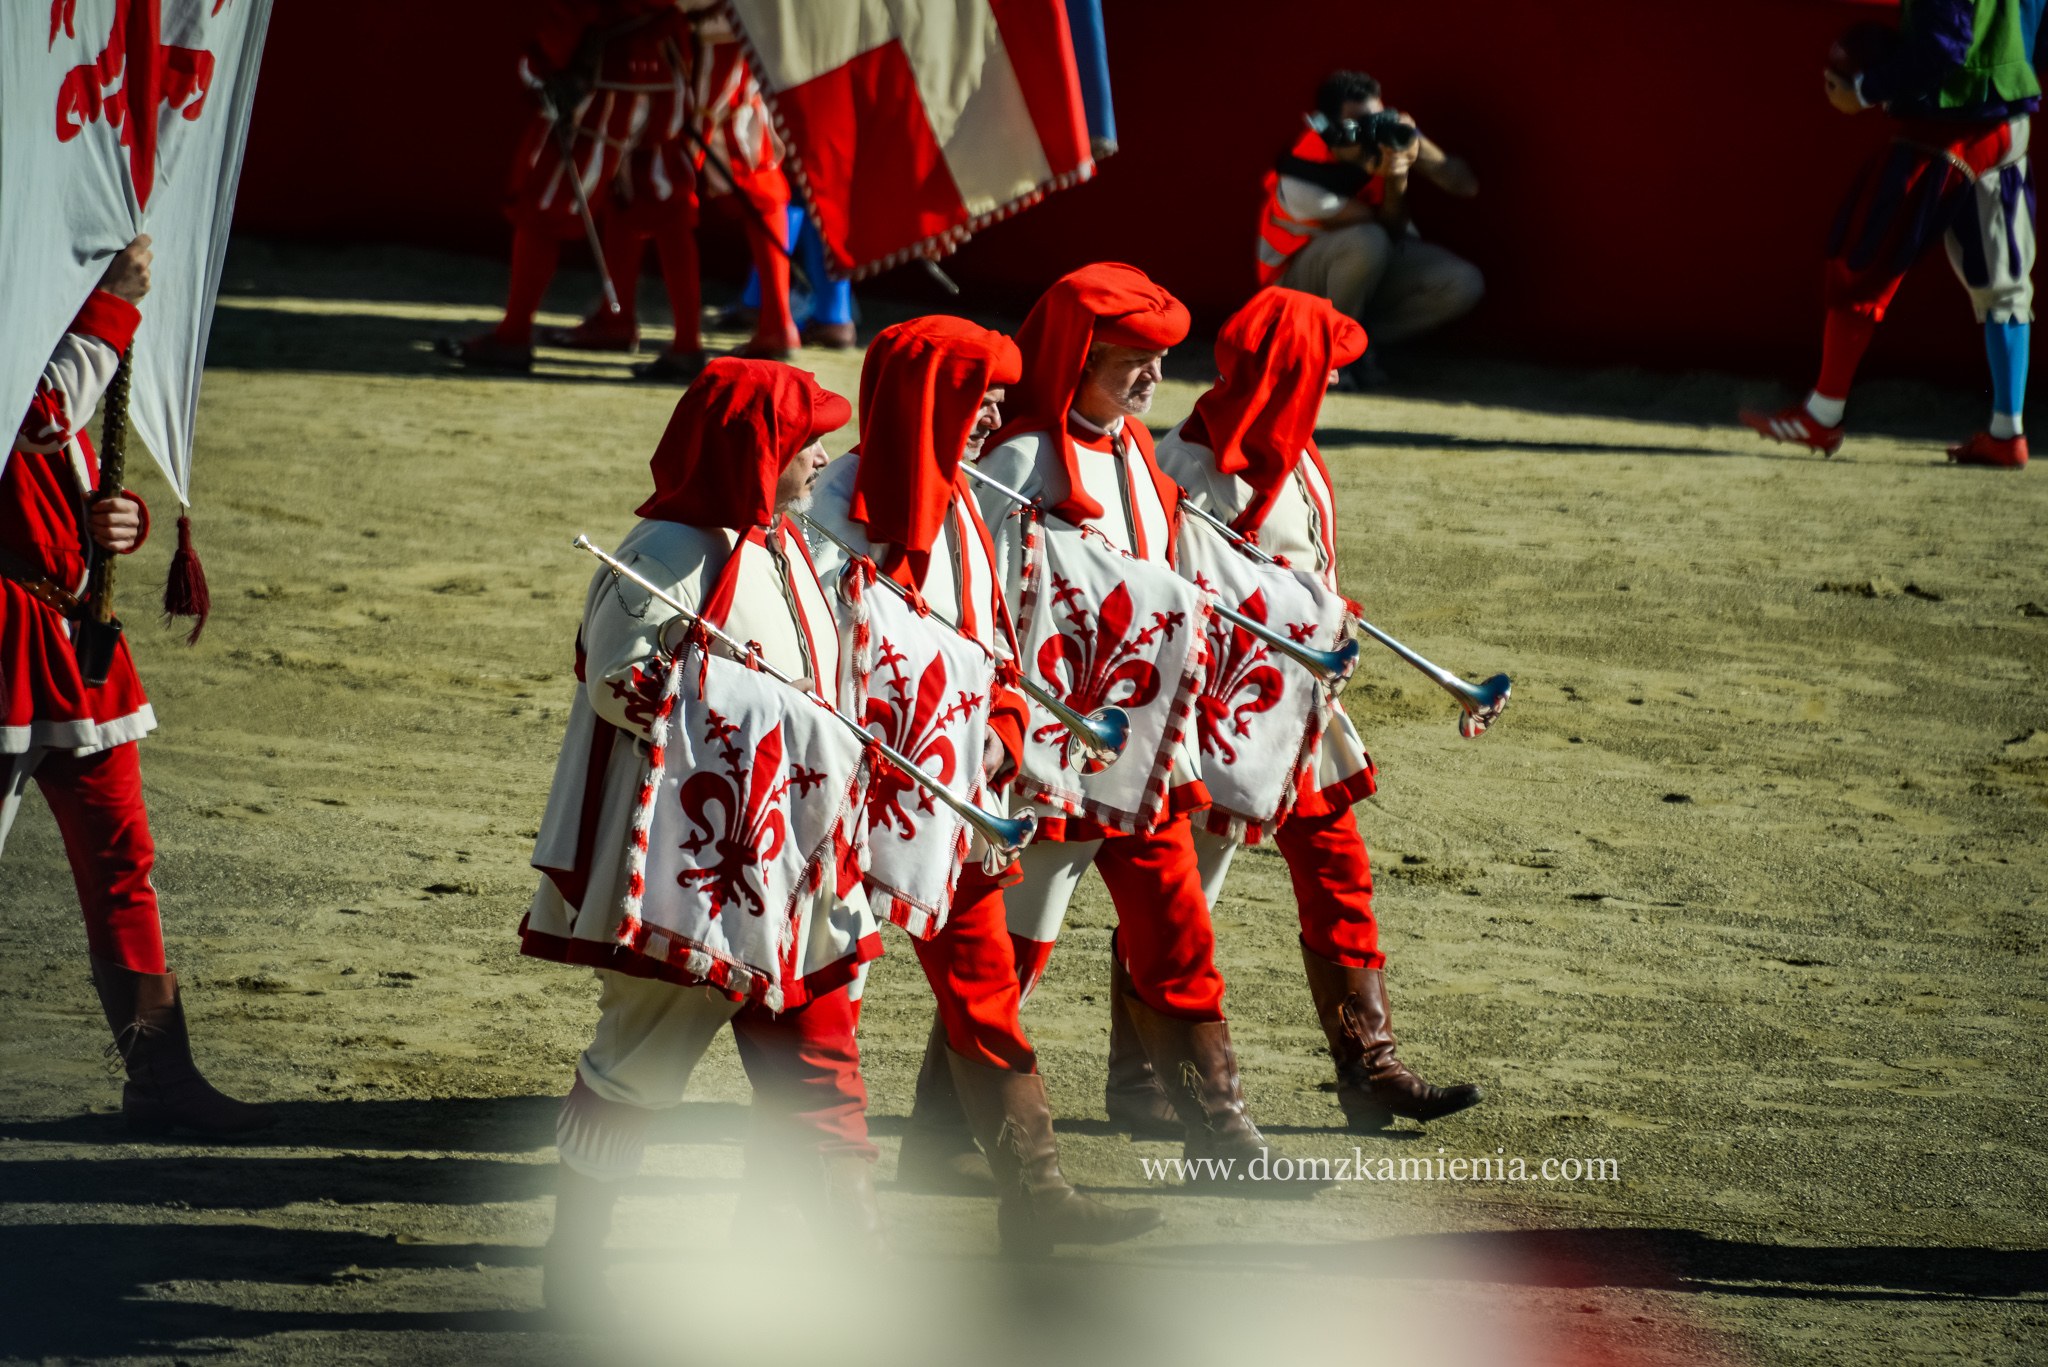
(1109, 730)
(1343, 663)
(1005, 836)
(1482, 703)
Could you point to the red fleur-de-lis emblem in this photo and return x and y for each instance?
(751, 794)
(135, 72)
(914, 720)
(1241, 681)
(1099, 662)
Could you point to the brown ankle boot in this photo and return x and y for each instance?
(1373, 1085)
(938, 1154)
(572, 1284)
(164, 1090)
(1208, 1095)
(1132, 1096)
(843, 1209)
(1039, 1210)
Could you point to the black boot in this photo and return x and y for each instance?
(1040, 1209)
(1132, 1095)
(938, 1153)
(488, 351)
(1373, 1085)
(673, 367)
(572, 1284)
(164, 1090)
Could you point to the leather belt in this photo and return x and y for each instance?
(41, 587)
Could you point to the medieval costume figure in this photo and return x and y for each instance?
(898, 506)
(1247, 454)
(743, 445)
(75, 736)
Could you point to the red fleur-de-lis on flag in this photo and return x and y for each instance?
(135, 72)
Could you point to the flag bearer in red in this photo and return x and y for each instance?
(1093, 347)
(1248, 455)
(657, 195)
(76, 740)
(617, 73)
(930, 393)
(744, 444)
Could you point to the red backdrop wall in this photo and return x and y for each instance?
(1656, 179)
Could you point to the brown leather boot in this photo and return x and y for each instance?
(843, 1207)
(938, 1154)
(1209, 1098)
(1132, 1096)
(1373, 1085)
(1039, 1210)
(572, 1284)
(164, 1090)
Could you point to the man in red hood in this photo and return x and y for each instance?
(930, 393)
(1093, 347)
(1248, 455)
(745, 443)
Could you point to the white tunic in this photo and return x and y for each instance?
(779, 605)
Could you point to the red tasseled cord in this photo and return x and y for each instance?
(185, 592)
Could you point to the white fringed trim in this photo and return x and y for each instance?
(942, 243)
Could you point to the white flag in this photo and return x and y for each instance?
(120, 117)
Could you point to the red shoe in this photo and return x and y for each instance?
(769, 347)
(1794, 425)
(598, 332)
(1999, 453)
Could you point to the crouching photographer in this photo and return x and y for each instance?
(1336, 221)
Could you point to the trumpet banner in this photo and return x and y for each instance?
(926, 690)
(1098, 628)
(120, 117)
(751, 801)
(1260, 715)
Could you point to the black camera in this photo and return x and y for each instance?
(1383, 128)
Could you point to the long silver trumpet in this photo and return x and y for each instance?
(1094, 741)
(1332, 667)
(1481, 702)
(1005, 836)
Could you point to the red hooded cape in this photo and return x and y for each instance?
(920, 389)
(731, 435)
(1273, 359)
(1106, 302)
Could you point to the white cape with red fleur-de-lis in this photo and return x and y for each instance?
(925, 689)
(1261, 714)
(1098, 628)
(752, 800)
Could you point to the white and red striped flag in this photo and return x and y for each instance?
(911, 124)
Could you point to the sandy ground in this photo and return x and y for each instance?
(1743, 892)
